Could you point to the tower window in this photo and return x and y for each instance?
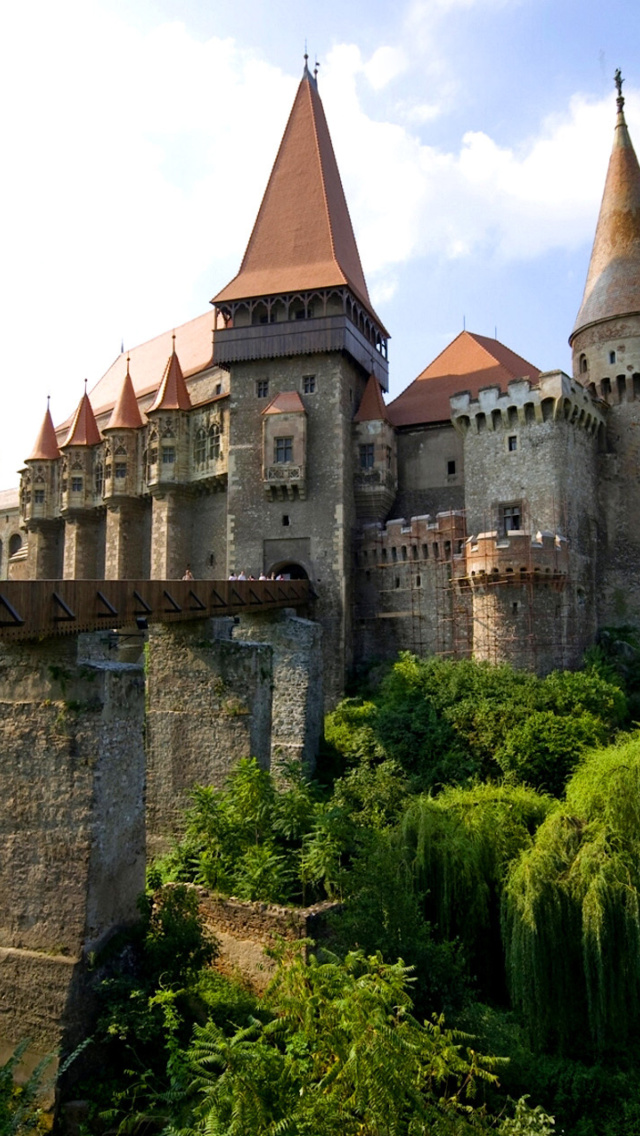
(512, 443)
(612, 356)
(285, 519)
(451, 468)
(283, 450)
(214, 442)
(583, 365)
(366, 455)
(511, 518)
(168, 455)
(38, 497)
(121, 469)
(308, 384)
(99, 479)
(262, 388)
(200, 447)
(76, 485)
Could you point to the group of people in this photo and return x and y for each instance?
(243, 576)
(188, 575)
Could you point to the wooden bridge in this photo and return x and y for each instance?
(32, 609)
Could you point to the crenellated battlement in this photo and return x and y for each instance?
(516, 557)
(421, 538)
(555, 398)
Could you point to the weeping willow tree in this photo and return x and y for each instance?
(571, 911)
(460, 844)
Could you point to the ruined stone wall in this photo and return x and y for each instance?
(208, 705)
(297, 704)
(71, 828)
(317, 532)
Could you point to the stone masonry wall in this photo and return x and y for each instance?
(297, 707)
(208, 705)
(71, 829)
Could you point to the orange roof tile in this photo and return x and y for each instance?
(172, 393)
(470, 362)
(46, 447)
(372, 407)
(613, 279)
(194, 340)
(303, 237)
(287, 402)
(84, 431)
(126, 413)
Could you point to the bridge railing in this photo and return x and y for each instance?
(32, 609)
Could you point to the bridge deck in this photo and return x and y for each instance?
(31, 609)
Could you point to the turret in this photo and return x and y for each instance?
(39, 485)
(376, 465)
(167, 473)
(125, 544)
(605, 340)
(81, 455)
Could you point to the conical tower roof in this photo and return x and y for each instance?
(126, 412)
(303, 237)
(613, 280)
(172, 392)
(84, 430)
(46, 447)
(372, 407)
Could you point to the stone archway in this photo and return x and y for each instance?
(290, 569)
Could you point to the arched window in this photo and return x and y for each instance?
(15, 544)
(583, 364)
(200, 447)
(214, 442)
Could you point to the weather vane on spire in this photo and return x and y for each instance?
(618, 80)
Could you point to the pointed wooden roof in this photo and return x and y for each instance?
(372, 407)
(302, 238)
(287, 402)
(469, 363)
(172, 392)
(46, 447)
(83, 431)
(613, 279)
(126, 412)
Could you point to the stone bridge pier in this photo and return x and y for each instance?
(97, 757)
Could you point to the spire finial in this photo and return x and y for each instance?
(618, 80)
(85, 385)
(173, 341)
(128, 361)
(48, 400)
(315, 70)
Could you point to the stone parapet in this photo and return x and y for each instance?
(555, 397)
(519, 555)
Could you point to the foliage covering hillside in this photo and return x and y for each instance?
(481, 828)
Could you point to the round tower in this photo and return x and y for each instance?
(605, 340)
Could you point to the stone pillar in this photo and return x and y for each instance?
(71, 830)
(125, 542)
(209, 704)
(44, 550)
(170, 537)
(297, 709)
(81, 535)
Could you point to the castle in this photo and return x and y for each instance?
(489, 510)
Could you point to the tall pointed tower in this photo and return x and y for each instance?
(298, 320)
(605, 340)
(606, 358)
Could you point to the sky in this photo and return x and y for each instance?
(472, 138)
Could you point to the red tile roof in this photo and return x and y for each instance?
(172, 393)
(372, 407)
(613, 280)
(84, 431)
(46, 447)
(194, 341)
(287, 402)
(126, 412)
(302, 238)
(470, 362)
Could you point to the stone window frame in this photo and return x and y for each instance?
(200, 446)
(283, 449)
(367, 457)
(120, 470)
(308, 384)
(213, 441)
(262, 388)
(509, 511)
(512, 443)
(77, 484)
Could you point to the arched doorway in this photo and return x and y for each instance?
(290, 570)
